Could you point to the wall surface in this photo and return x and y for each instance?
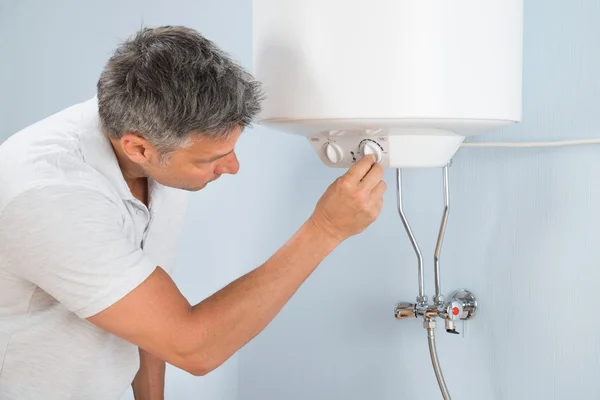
(523, 234)
(51, 53)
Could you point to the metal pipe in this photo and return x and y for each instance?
(430, 326)
(439, 299)
(421, 299)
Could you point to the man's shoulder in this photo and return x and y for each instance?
(46, 154)
(59, 197)
(51, 132)
(44, 179)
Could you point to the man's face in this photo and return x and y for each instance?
(193, 167)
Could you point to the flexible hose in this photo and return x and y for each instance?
(436, 363)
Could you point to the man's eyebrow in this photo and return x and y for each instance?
(215, 158)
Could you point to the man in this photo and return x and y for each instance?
(91, 206)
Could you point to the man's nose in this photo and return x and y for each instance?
(230, 165)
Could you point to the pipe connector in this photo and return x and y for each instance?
(405, 311)
(429, 324)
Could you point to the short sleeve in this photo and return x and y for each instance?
(69, 241)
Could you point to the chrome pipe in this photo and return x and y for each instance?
(421, 299)
(439, 299)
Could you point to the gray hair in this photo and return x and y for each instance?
(170, 82)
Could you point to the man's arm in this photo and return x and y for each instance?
(199, 338)
(149, 382)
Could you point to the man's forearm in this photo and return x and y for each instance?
(149, 382)
(229, 323)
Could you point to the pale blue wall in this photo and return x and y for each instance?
(523, 234)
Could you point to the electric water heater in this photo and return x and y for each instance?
(406, 80)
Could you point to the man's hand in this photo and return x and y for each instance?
(149, 382)
(353, 201)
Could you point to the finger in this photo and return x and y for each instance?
(372, 177)
(360, 169)
(378, 190)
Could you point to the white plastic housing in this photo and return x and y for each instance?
(415, 76)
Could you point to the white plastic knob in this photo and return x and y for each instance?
(369, 147)
(334, 153)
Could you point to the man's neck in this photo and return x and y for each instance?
(134, 176)
(139, 190)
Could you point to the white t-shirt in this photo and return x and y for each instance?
(73, 241)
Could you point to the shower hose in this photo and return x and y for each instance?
(436, 364)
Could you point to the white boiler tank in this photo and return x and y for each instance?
(406, 80)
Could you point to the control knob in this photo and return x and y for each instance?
(371, 147)
(333, 152)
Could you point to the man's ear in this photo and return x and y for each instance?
(138, 149)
